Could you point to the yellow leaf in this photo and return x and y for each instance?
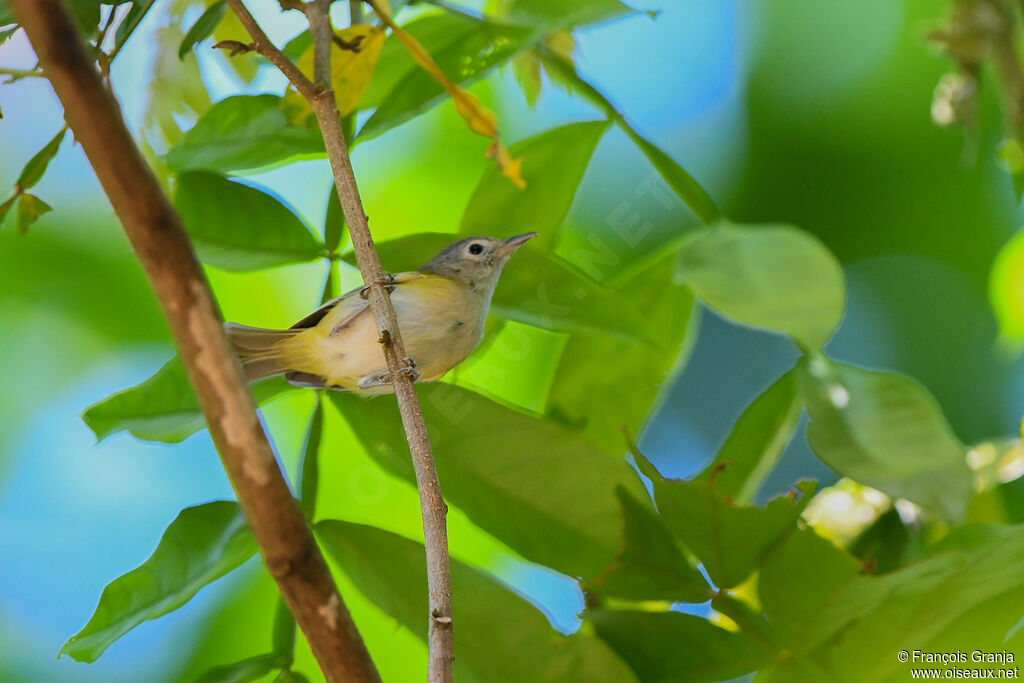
(351, 71)
(479, 118)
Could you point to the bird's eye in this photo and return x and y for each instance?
(476, 249)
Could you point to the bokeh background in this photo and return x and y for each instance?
(815, 114)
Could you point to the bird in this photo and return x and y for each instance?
(441, 309)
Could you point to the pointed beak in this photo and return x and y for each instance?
(513, 243)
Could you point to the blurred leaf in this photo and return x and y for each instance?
(536, 289)
(176, 94)
(164, 407)
(202, 544)
(886, 431)
(562, 69)
(6, 14)
(291, 677)
(730, 541)
(251, 669)
(203, 28)
(769, 276)
(465, 60)
(566, 13)
(756, 441)
(533, 485)
(553, 166)
(351, 71)
(36, 166)
(650, 565)
(1001, 504)
(885, 544)
(238, 227)
(639, 374)
(526, 68)
(246, 65)
(87, 16)
(670, 646)
(135, 14)
(30, 208)
(6, 207)
(501, 635)
(243, 132)
(334, 221)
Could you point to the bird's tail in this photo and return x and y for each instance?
(260, 350)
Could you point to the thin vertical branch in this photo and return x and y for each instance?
(158, 237)
(432, 504)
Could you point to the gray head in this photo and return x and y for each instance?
(477, 261)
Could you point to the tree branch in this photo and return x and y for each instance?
(159, 240)
(432, 504)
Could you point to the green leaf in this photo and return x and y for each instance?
(6, 207)
(204, 543)
(164, 407)
(669, 646)
(240, 133)
(536, 289)
(553, 166)
(6, 14)
(532, 484)
(562, 69)
(769, 276)
(251, 669)
(6, 34)
(650, 566)
(501, 636)
(463, 61)
(884, 430)
(334, 221)
(86, 14)
(36, 166)
(239, 227)
(203, 28)
(730, 541)
(131, 20)
(757, 440)
(559, 14)
(30, 208)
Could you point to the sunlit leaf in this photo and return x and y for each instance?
(204, 543)
(495, 626)
(203, 28)
(886, 431)
(669, 646)
(554, 14)
(36, 166)
(30, 208)
(769, 276)
(534, 485)
(729, 540)
(650, 565)
(164, 407)
(553, 166)
(238, 227)
(757, 440)
(241, 133)
(351, 70)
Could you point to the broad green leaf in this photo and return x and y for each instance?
(240, 133)
(203, 28)
(670, 646)
(553, 166)
(769, 276)
(534, 485)
(435, 32)
(593, 361)
(30, 208)
(886, 431)
(164, 407)
(36, 166)
(251, 669)
(729, 540)
(562, 69)
(536, 289)
(463, 61)
(650, 565)
(757, 440)
(555, 14)
(239, 227)
(968, 593)
(501, 636)
(204, 543)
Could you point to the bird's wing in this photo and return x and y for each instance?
(351, 304)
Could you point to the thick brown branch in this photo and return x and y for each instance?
(158, 238)
(432, 504)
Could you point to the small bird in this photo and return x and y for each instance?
(441, 310)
